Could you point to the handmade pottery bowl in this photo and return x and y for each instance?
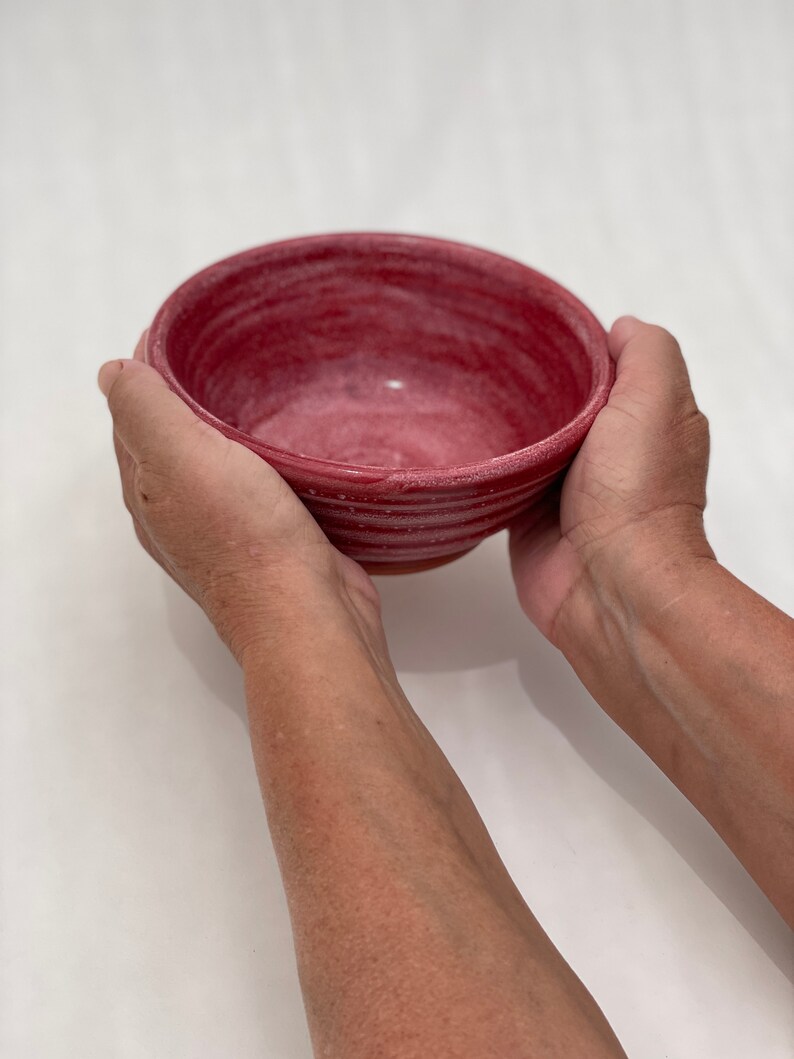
(417, 394)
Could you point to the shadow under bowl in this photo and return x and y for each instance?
(416, 393)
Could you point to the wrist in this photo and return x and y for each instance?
(326, 712)
(621, 629)
(273, 606)
(636, 572)
(319, 626)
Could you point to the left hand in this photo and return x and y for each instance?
(222, 522)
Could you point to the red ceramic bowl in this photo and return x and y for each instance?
(415, 393)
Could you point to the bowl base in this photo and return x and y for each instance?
(380, 569)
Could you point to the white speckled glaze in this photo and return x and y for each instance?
(416, 393)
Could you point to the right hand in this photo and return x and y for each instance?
(639, 479)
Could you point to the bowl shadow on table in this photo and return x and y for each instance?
(465, 616)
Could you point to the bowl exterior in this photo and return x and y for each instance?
(393, 527)
(411, 518)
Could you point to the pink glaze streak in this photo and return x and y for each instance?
(416, 393)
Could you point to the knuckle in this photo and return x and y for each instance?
(696, 421)
(694, 443)
(662, 335)
(691, 424)
(148, 481)
(704, 421)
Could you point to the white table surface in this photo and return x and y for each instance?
(639, 152)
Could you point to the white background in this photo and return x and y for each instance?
(639, 152)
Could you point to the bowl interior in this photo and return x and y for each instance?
(380, 354)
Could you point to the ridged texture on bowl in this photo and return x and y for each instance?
(473, 376)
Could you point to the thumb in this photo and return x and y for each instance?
(651, 371)
(147, 415)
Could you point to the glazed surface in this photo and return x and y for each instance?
(416, 393)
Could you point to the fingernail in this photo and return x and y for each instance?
(108, 374)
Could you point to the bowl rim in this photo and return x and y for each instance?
(535, 456)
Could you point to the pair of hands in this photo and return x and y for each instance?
(614, 569)
(230, 531)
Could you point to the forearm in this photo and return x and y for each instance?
(698, 669)
(410, 936)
